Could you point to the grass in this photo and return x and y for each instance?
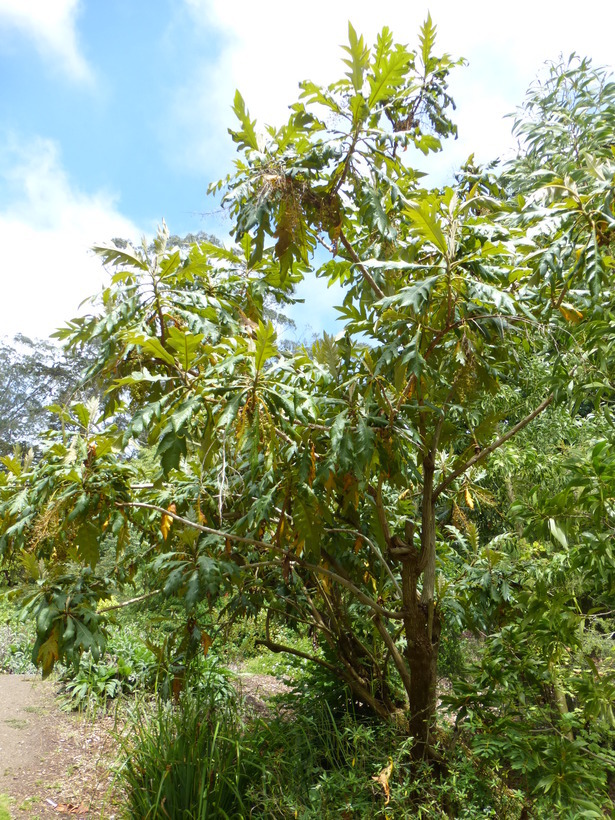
(5, 802)
(187, 760)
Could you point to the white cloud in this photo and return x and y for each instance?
(46, 229)
(51, 24)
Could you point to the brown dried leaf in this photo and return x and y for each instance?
(383, 779)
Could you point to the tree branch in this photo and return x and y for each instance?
(131, 601)
(278, 647)
(404, 673)
(201, 527)
(486, 451)
(365, 273)
(365, 599)
(360, 596)
(374, 548)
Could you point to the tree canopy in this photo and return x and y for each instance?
(344, 487)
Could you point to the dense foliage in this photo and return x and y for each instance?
(375, 491)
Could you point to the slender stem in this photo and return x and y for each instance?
(360, 596)
(201, 527)
(404, 673)
(278, 647)
(365, 273)
(131, 601)
(365, 599)
(349, 154)
(375, 549)
(376, 494)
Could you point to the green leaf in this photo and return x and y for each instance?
(376, 213)
(424, 219)
(265, 345)
(427, 39)
(84, 638)
(415, 296)
(231, 409)
(112, 255)
(171, 449)
(154, 347)
(326, 352)
(185, 344)
(359, 108)
(87, 543)
(246, 138)
(482, 293)
(389, 69)
(82, 413)
(308, 524)
(12, 464)
(359, 58)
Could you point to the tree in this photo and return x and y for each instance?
(315, 483)
(34, 374)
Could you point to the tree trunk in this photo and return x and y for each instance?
(422, 654)
(422, 622)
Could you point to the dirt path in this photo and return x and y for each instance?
(52, 764)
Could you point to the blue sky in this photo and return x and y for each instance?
(114, 114)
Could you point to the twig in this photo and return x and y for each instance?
(131, 601)
(365, 599)
(366, 275)
(231, 536)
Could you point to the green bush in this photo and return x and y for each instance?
(322, 761)
(127, 667)
(16, 640)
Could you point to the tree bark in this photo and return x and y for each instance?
(422, 621)
(422, 654)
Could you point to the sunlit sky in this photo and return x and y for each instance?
(114, 114)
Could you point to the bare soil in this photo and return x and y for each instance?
(52, 763)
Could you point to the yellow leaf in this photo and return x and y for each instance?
(324, 580)
(469, 499)
(330, 482)
(30, 564)
(166, 521)
(383, 779)
(206, 642)
(357, 544)
(312, 470)
(571, 314)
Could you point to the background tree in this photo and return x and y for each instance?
(33, 375)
